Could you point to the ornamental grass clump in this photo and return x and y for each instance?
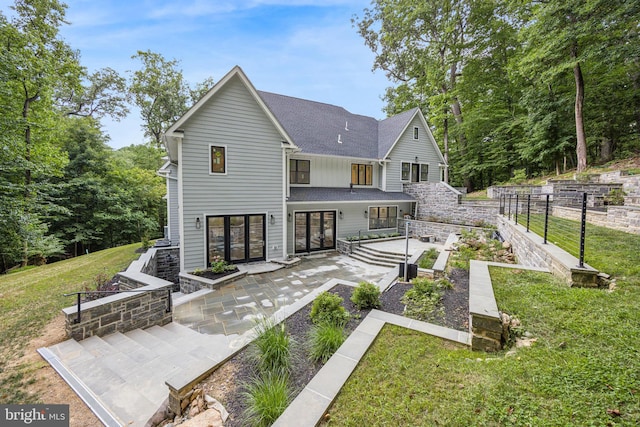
(327, 308)
(366, 295)
(324, 340)
(273, 348)
(266, 397)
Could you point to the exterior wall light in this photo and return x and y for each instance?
(340, 215)
(198, 223)
(417, 161)
(289, 217)
(272, 219)
(366, 213)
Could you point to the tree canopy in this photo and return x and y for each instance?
(511, 85)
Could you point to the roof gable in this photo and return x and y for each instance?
(236, 72)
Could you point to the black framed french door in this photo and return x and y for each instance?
(315, 231)
(236, 238)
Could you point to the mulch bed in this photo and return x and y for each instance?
(226, 383)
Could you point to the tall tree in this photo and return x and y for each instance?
(159, 90)
(421, 47)
(35, 63)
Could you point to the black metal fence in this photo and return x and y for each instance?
(535, 212)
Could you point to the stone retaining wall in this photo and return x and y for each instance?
(439, 202)
(191, 283)
(530, 251)
(564, 192)
(630, 185)
(158, 262)
(121, 312)
(623, 218)
(438, 230)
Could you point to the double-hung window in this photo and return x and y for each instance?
(299, 171)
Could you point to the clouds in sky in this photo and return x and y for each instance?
(302, 48)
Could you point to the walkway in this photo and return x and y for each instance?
(233, 308)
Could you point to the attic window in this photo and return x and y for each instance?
(415, 132)
(218, 160)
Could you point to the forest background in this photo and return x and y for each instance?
(511, 89)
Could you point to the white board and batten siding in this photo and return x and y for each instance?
(335, 172)
(406, 150)
(253, 181)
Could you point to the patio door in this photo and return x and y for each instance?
(315, 231)
(236, 238)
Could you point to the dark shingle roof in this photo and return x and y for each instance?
(327, 194)
(389, 130)
(314, 127)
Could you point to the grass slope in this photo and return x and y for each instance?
(31, 298)
(583, 370)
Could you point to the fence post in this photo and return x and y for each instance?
(546, 220)
(583, 228)
(517, 202)
(169, 300)
(528, 210)
(509, 207)
(78, 317)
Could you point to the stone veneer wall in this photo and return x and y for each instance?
(126, 311)
(439, 202)
(121, 312)
(623, 218)
(438, 230)
(630, 185)
(564, 192)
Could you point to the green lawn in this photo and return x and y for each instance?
(31, 298)
(583, 370)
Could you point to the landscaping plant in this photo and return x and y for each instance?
(423, 298)
(273, 348)
(327, 308)
(429, 258)
(324, 340)
(267, 396)
(366, 295)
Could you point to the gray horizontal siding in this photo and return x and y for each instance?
(406, 150)
(172, 206)
(352, 221)
(253, 182)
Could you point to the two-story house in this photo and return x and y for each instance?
(257, 176)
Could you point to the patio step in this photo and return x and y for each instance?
(377, 257)
(127, 372)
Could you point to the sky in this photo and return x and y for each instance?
(302, 48)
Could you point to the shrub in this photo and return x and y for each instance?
(366, 295)
(429, 258)
(324, 340)
(273, 348)
(266, 397)
(219, 265)
(423, 298)
(327, 308)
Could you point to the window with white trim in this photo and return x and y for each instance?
(424, 172)
(299, 171)
(361, 174)
(218, 159)
(383, 217)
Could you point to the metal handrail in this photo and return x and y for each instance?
(80, 293)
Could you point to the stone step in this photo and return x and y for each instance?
(185, 298)
(373, 261)
(379, 252)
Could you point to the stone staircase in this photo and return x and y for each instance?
(376, 256)
(127, 372)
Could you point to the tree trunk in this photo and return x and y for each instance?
(445, 137)
(581, 140)
(606, 149)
